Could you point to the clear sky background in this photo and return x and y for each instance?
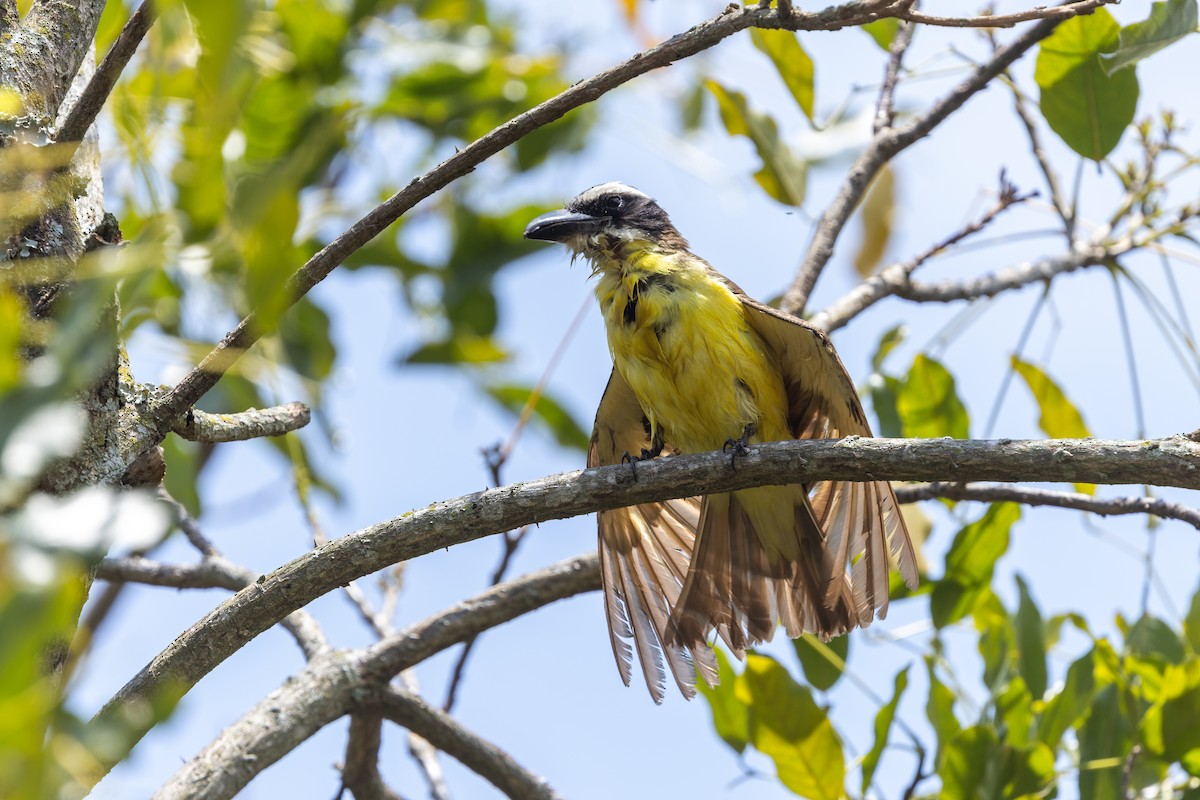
(545, 687)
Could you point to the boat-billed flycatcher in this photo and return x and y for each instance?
(697, 364)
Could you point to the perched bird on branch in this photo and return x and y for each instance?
(700, 366)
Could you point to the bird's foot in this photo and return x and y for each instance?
(632, 460)
(740, 446)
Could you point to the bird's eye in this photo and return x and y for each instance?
(613, 202)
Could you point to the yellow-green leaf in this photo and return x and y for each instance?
(787, 726)
(928, 402)
(731, 717)
(783, 176)
(970, 563)
(822, 662)
(883, 727)
(1083, 104)
(878, 211)
(794, 65)
(1058, 416)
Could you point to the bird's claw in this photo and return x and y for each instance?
(740, 446)
(632, 460)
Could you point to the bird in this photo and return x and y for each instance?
(699, 366)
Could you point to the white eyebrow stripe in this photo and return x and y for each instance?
(613, 187)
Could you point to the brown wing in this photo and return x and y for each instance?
(644, 555)
(861, 520)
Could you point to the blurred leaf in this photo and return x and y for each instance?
(1031, 657)
(794, 65)
(928, 402)
(997, 639)
(966, 762)
(1064, 709)
(461, 349)
(731, 717)
(970, 562)
(1151, 637)
(822, 662)
(787, 726)
(691, 112)
(884, 391)
(1169, 727)
(783, 176)
(877, 212)
(888, 342)
(304, 332)
(1169, 21)
(567, 432)
(12, 314)
(1014, 709)
(1104, 742)
(183, 462)
(1059, 418)
(939, 709)
(1191, 624)
(883, 727)
(1082, 103)
(883, 31)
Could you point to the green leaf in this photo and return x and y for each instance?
(965, 764)
(1082, 103)
(1104, 742)
(1191, 623)
(1169, 727)
(1168, 22)
(928, 402)
(882, 31)
(787, 726)
(1031, 657)
(888, 342)
(1153, 638)
(794, 65)
(939, 709)
(1059, 418)
(970, 563)
(783, 175)
(567, 432)
(1014, 708)
(883, 727)
(823, 662)
(1065, 708)
(731, 717)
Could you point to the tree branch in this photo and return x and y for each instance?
(10, 18)
(1104, 506)
(477, 754)
(335, 683)
(56, 36)
(885, 145)
(83, 113)
(1173, 461)
(1057, 14)
(360, 773)
(200, 426)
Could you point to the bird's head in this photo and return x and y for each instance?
(605, 217)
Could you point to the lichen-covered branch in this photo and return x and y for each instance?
(254, 423)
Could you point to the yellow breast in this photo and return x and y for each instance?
(680, 339)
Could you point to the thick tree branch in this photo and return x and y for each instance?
(885, 145)
(360, 773)
(1104, 506)
(83, 113)
(1173, 461)
(254, 423)
(335, 683)
(10, 19)
(55, 37)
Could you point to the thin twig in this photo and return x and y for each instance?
(999, 493)
(1057, 197)
(885, 146)
(95, 94)
(885, 106)
(1054, 13)
(888, 280)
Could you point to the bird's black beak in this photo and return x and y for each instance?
(558, 226)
